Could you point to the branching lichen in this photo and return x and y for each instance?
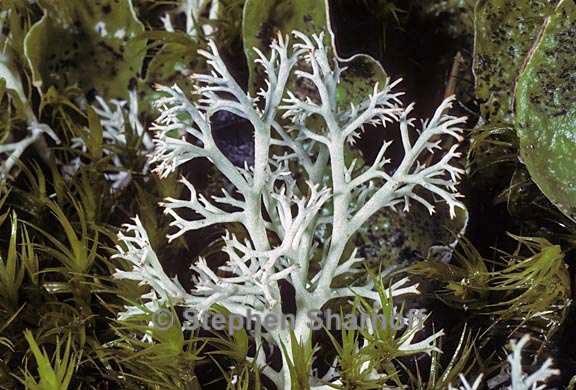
(290, 224)
(519, 380)
(11, 151)
(118, 119)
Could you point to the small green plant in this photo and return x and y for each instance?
(528, 286)
(55, 373)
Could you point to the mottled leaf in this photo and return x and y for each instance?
(460, 13)
(177, 58)
(89, 43)
(9, 76)
(358, 80)
(263, 20)
(505, 31)
(546, 109)
(392, 237)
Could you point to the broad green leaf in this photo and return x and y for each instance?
(98, 46)
(392, 237)
(172, 60)
(505, 32)
(358, 80)
(264, 19)
(546, 110)
(16, 20)
(9, 75)
(175, 60)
